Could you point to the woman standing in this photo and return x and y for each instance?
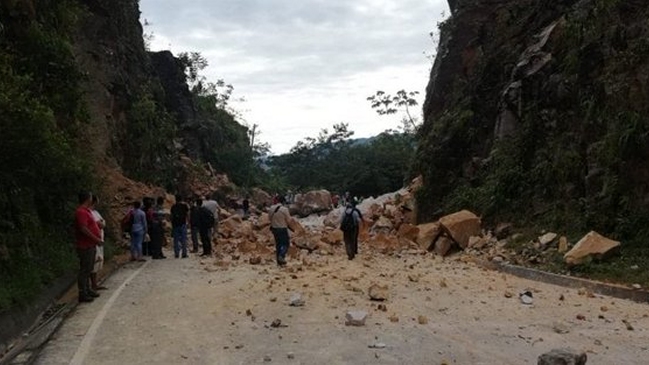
(138, 231)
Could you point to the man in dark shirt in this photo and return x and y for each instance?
(156, 229)
(179, 215)
(88, 236)
(194, 221)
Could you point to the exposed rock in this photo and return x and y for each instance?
(334, 237)
(428, 234)
(315, 201)
(563, 357)
(408, 231)
(443, 245)
(260, 197)
(382, 225)
(592, 245)
(333, 218)
(378, 292)
(461, 226)
(355, 318)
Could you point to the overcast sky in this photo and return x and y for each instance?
(303, 65)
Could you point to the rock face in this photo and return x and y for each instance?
(508, 72)
(563, 357)
(593, 245)
(312, 202)
(461, 226)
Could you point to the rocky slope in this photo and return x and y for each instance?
(538, 109)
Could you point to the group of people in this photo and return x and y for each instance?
(144, 223)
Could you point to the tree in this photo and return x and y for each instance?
(387, 104)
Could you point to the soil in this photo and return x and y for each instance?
(220, 310)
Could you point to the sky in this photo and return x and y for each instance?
(303, 65)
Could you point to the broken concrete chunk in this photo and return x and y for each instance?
(592, 245)
(563, 357)
(355, 318)
(461, 226)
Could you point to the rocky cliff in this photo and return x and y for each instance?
(537, 109)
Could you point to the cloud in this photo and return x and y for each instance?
(303, 65)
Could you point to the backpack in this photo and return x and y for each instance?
(348, 223)
(206, 218)
(127, 221)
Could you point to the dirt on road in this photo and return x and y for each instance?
(221, 311)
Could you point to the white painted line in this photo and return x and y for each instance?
(84, 347)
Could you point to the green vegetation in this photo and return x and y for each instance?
(41, 169)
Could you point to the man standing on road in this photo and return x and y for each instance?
(138, 231)
(213, 207)
(279, 218)
(157, 230)
(205, 225)
(87, 234)
(350, 225)
(99, 254)
(179, 218)
(194, 221)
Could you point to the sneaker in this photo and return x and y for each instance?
(93, 294)
(185, 256)
(86, 299)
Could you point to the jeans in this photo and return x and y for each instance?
(206, 239)
(194, 232)
(136, 243)
(180, 239)
(282, 241)
(86, 264)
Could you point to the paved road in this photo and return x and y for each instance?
(193, 311)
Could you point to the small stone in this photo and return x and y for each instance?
(355, 318)
(273, 299)
(422, 320)
(636, 286)
(604, 308)
(413, 278)
(563, 245)
(378, 292)
(276, 323)
(256, 260)
(394, 318)
(547, 238)
(628, 325)
(290, 355)
(248, 312)
(598, 343)
(296, 300)
(581, 317)
(563, 357)
(267, 359)
(378, 345)
(508, 294)
(442, 283)
(562, 298)
(526, 297)
(382, 308)
(560, 328)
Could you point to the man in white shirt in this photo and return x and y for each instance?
(213, 207)
(279, 218)
(99, 255)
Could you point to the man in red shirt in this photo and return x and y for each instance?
(88, 236)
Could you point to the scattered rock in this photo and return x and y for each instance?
(547, 238)
(378, 345)
(508, 294)
(442, 283)
(526, 297)
(276, 323)
(591, 245)
(255, 260)
(422, 320)
(604, 308)
(355, 318)
(628, 325)
(413, 278)
(290, 355)
(296, 300)
(563, 245)
(461, 226)
(383, 225)
(443, 245)
(378, 292)
(409, 231)
(581, 317)
(503, 230)
(636, 286)
(428, 234)
(560, 328)
(562, 357)
(267, 359)
(394, 318)
(382, 308)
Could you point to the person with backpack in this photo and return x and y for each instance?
(205, 225)
(139, 229)
(279, 218)
(179, 218)
(350, 224)
(156, 229)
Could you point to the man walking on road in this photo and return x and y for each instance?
(179, 218)
(213, 207)
(279, 218)
(205, 226)
(350, 225)
(194, 221)
(87, 234)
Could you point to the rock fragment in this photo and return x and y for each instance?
(592, 245)
(562, 357)
(296, 300)
(355, 318)
(378, 292)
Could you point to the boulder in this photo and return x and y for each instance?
(334, 237)
(461, 226)
(563, 357)
(563, 245)
(261, 198)
(296, 227)
(333, 218)
(315, 201)
(547, 238)
(408, 231)
(378, 292)
(443, 245)
(383, 225)
(307, 242)
(593, 245)
(427, 235)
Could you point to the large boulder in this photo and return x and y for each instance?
(461, 226)
(427, 235)
(443, 245)
(563, 357)
(333, 218)
(408, 231)
(260, 197)
(315, 201)
(593, 245)
(382, 225)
